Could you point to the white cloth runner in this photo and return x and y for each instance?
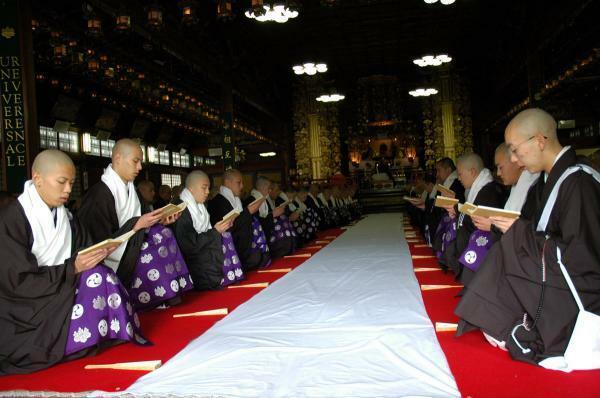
(198, 211)
(51, 243)
(349, 322)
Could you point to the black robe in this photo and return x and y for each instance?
(509, 281)
(202, 252)
(493, 195)
(99, 216)
(433, 215)
(241, 231)
(279, 248)
(312, 204)
(35, 301)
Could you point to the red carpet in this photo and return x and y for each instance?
(169, 335)
(481, 370)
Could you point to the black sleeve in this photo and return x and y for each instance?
(188, 239)
(459, 190)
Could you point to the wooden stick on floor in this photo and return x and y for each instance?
(218, 311)
(420, 256)
(274, 270)
(445, 327)
(322, 241)
(421, 245)
(313, 247)
(301, 255)
(439, 287)
(423, 269)
(250, 285)
(142, 365)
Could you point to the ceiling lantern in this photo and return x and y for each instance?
(94, 25)
(188, 12)
(123, 21)
(224, 9)
(93, 65)
(155, 17)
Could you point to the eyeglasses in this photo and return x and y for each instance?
(514, 149)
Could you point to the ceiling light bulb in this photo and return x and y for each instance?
(430, 1)
(447, 2)
(321, 68)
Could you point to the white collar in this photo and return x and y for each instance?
(314, 200)
(200, 216)
(450, 179)
(322, 197)
(562, 152)
(483, 178)
(235, 202)
(263, 210)
(51, 243)
(518, 192)
(127, 203)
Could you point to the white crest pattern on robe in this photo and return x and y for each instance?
(198, 211)
(51, 244)
(235, 202)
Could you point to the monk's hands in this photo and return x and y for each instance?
(147, 220)
(170, 219)
(294, 216)
(278, 211)
(482, 223)
(503, 223)
(253, 207)
(451, 211)
(86, 261)
(223, 226)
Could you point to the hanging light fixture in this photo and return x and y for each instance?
(94, 25)
(276, 11)
(423, 92)
(188, 12)
(123, 21)
(431, 60)
(224, 9)
(93, 65)
(330, 97)
(155, 16)
(310, 68)
(444, 2)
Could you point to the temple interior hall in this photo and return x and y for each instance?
(361, 110)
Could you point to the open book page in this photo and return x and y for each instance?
(466, 208)
(232, 215)
(487, 212)
(109, 243)
(447, 192)
(442, 201)
(171, 209)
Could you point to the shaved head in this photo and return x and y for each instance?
(47, 161)
(531, 137)
(124, 147)
(231, 174)
(506, 169)
(471, 161)
(531, 122)
(127, 159)
(195, 177)
(503, 149)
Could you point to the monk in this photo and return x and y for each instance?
(146, 193)
(248, 236)
(55, 303)
(209, 252)
(519, 297)
(481, 189)
(150, 263)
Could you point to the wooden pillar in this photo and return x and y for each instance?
(314, 136)
(448, 116)
(18, 123)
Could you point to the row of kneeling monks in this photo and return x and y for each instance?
(531, 266)
(59, 301)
